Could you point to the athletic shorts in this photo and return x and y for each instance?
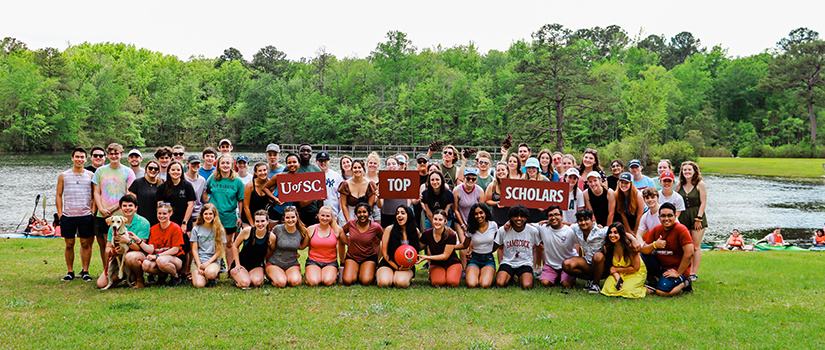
(102, 227)
(515, 272)
(284, 267)
(666, 284)
(321, 264)
(373, 258)
(82, 225)
(384, 263)
(481, 260)
(555, 276)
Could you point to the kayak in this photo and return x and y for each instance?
(21, 235)
(817, 248)
(707, 247)
(787, 248)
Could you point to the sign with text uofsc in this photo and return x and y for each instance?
(301, 187)
(398, 184)
(533, 194)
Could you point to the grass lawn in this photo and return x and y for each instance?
(784, 167)
(743, 300)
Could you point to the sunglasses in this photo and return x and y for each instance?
(178, 154)
(163, 203)
(448, 152)
(152, 168)
(290, 207)
(590, 150)
(422, 161)
(470, 178)
(483, 162)
(98, 155)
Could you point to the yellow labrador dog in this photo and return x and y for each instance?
(118, 225)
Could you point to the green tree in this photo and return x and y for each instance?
(270, 60)
(646, 102)
(800, 70)
(229, 55)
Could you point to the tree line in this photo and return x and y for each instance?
(564, 89)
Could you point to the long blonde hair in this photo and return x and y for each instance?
(217, 227)
(333, 223)
(218, 175)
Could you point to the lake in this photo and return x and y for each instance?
(754, 205)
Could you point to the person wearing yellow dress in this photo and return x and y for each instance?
(627, 270)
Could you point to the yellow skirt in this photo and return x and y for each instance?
(634, 283)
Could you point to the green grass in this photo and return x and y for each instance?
(743, 300)
(784, 167)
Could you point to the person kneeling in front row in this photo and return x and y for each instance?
(667, 252)
(138, 229)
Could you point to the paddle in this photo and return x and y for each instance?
(36, 201)
(26, 215)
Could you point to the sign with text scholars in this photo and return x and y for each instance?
(398, 184)
(301, 187)
(533, 194)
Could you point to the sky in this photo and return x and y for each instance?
(354, 28)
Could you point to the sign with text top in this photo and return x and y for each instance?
(398, 184)
(302, 186)
(533, 194)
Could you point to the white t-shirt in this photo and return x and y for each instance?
(649, 221)
(334, 179)
(569, 214)
(675, 199)
(518, 246)
(246, 178)
(483, 242)
(199, 185)
(559, 244)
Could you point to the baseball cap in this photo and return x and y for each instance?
(667, 174)
(626, 177)
(242, 158)
(134, 151)
(401, 159)
(594, 174)
(225, 141)
(323, 155)
(532, 162)
(194, 159)
(470, 171)
(422, 156)
(572, 171)
(634, 162)
(273, 148)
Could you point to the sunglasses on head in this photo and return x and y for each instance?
(590, 150)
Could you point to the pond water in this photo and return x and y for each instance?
(754, 205)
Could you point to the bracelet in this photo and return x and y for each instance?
(697, 219)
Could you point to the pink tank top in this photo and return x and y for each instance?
(323, 249)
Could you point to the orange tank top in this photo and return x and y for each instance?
(323, 249)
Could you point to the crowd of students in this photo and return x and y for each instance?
(193, 218)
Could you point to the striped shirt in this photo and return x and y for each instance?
(77, 193)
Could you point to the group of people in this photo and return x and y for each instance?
(192, 218)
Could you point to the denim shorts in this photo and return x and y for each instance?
(481, 260)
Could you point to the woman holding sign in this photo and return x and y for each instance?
(293, 161)
(356, 189)
(388, 205)
(403, 231)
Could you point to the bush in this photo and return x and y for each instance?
(676, 151)
(756, 151)
(718, 151)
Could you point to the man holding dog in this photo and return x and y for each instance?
(137, 228)
(74, 201)
(110, 183)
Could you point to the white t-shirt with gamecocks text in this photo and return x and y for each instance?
(518, 246)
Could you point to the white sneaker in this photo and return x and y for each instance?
(594, 289)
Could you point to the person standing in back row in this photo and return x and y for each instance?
(110, 183)
(74, 201)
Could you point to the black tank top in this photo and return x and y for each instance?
(256, 202)
(599, 204)
(254, 250)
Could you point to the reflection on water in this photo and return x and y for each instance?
(751, 204)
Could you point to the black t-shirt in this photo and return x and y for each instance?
(147, 204)
(612, 182)
(181, 195)
(90, 168)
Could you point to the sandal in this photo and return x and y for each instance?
(693, 277)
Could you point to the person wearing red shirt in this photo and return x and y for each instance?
(667, 252)
(165, 247)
